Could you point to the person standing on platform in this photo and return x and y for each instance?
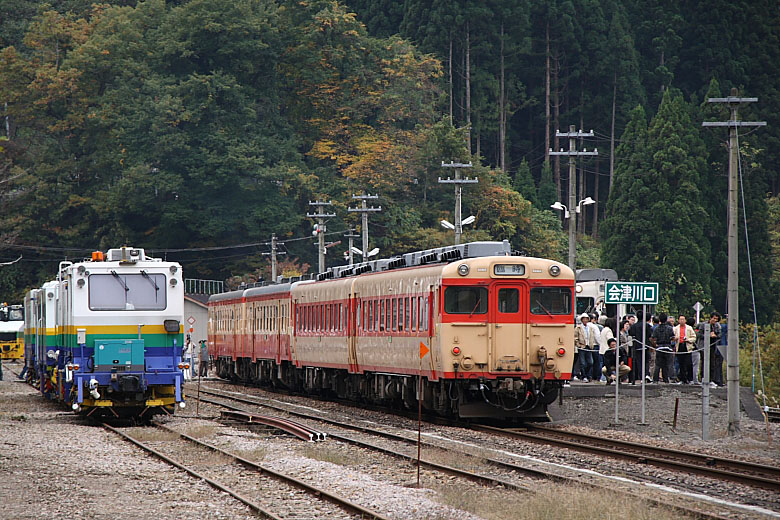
(695, 358)
(607, 333)
(636, 333)
(716, 359)
(685, 339)
(663, 336)
(584, 339)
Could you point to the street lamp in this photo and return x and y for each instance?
(449, 225)
(572, 236)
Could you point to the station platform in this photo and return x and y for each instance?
(578, 390)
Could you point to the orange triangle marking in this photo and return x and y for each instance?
(423, 350)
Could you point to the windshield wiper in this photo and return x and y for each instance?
(151, 280)
(545, 309)
(475, 306)
(118, 279)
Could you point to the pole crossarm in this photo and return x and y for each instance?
(574, 134)
(734, 124)
(465, 180)
(732, 100)
(574, 153)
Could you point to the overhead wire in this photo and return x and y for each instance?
(756, 344)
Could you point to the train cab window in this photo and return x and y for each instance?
(550, 300)
(134, 292)
(508, 300)
(465, 300)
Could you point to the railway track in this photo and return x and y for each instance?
(740, 472)
(484, 477)
(260, 481)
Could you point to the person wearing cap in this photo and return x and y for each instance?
(610, 362)
(584, 339)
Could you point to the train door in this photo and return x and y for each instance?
(508, 327)
(353, 324)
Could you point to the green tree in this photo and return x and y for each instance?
(630, 237)
(681, 253)
(546, 193)
(524, 183)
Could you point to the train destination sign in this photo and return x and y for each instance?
(509, 269)
(633, 293)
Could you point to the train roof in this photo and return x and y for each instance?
(597, 275)
(231, 295)
(267, 289)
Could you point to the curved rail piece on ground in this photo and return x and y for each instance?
(750, 473)
(318, 492)
(301, 431)
(213, 483)
(692, 511)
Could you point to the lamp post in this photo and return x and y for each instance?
(572, 231)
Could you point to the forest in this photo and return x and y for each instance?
(197, 129)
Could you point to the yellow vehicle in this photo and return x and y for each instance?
(11, 331)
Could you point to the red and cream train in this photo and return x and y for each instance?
(490, 334)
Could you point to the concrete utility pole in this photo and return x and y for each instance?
(572, 134)
(364, 210)
(458, 182)
(274, 251)
(320, 215)
(351, 236)
(732, 357)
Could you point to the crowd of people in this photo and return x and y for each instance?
(673, 349)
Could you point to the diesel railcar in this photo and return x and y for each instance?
(105, 337)
(11, 331)
(489, 333)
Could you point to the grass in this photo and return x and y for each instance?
(323, 454)
(153, 435)
(552, 502)
(200, 432)
(255, 454)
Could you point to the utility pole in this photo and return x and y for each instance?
(364, 210)
(274, 251)
(572, 134)
(320, 229)
(351, 236)
(458, 182)
(732, 355)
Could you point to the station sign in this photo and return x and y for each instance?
(632, 293)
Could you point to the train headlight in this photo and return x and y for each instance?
(174, 269)
(561, 351)
(81, 282)
(463, 269)
(579, 288)
(174, 281)
(456, 351)
(182, 404)
(555, 270)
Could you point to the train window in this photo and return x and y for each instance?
(395, 314)
(550, 300)
(119, 292)
(424, 314)
(414, 313)
(381, 319)
(376, 316)
(508, 300)
(465, 300)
